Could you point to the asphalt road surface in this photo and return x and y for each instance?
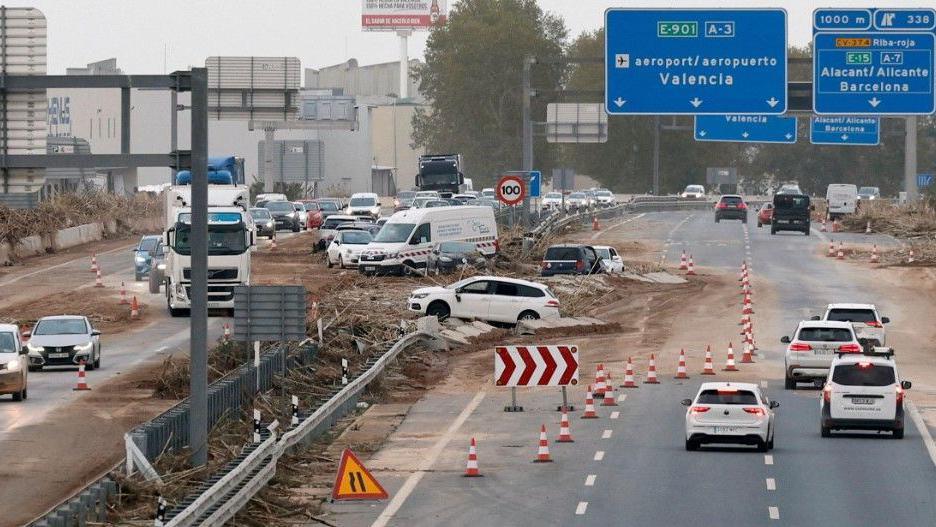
(630, 466)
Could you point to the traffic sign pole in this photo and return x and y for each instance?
(910, 160)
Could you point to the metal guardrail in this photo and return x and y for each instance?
(87, 506)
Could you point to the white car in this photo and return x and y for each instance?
(427, 194)
(491, 298)
(810, 352)
(609, 258)
(64, 340)
(863, 392)
(346, 247)
(730, 412)
(303, 214)
(326, 233)
(13, 363)
(577, 200)
(552, 200)
(864, 318)
(364, 204)
(694, 192)
(605, 197)
(488, 193)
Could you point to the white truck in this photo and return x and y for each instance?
(231, 234)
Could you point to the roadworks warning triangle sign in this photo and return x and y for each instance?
(354, 482)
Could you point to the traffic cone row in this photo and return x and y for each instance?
(595, 225)
(600, 385)
(730, 362)
(609, 396)
(565, 435)
(227, 331)
(589, 412)
(471, 470)
(747, 355)
(542, 455)
(868, 227)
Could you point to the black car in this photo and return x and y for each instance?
(731, 207)
(264, 220)
(571, 259)
(284, 214)
(446, 257)
(791, 212)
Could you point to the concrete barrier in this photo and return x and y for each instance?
(60, 240)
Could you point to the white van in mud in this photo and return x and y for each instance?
(405, 241)
(842, 199)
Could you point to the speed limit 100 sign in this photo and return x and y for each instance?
(510, 190)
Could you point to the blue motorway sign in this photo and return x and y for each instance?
(536, 180)
(874, 61)
(695, 61)
(862, 131)
(745, 128)
(925, 180)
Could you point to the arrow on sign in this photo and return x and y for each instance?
(874, 102)
(745, 135)
(550, 365)
(619, 102)
(535, 365)
(702, 133)
(844, 137)
(696, 102)
(772, 102)
(789, 136)
(509, 366)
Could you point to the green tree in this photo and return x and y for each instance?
(472, 79)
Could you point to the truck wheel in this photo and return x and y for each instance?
(176, 313)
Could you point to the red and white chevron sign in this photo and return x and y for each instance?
(536, 365)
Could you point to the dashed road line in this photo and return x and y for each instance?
(59, 266)
(771, 484)
(763, 384)
(580, 508)
(924, 430)
(774, 513)
(606, 434)
(622, 398)
(590, 480)
(615, 415)
(608, 228)
(599, 455)
(768, 459)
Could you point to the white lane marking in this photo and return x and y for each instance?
(924, 430)
(162, 348)
(599, 233)
(57, 266)
(763, 384)
(590, 480)
(606, 434)
(774, 513)
(410, 484)
(615, 415)
(599, 455)
(622, 398)
(580, 509)
(768, 459)
(771, 484)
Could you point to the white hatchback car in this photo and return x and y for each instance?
(864, 392)
(346, 247)
(868, 323)
(609, 258)
(491, 298)
(811, 350)
(729, 412)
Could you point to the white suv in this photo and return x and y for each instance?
(729, 412)
(809, 353)
(491, 298)
(863, 392)
(868, 324)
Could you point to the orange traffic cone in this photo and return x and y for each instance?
(747, 355)
(273, 244)
(841, 252)
(651, 371)
(600, 385)
(97, 279)
(471, 470)
(681, 367)
(831, 253)
(589, 412)
(748, 309)
(874, 254)
(709, 368)
(834, 225)
(227, 331)
(683, 265)
(123, 294)
(823, 227)
(868, 227)
(691, 270)
(82, 382)
(134, 309)
(910, 257)
(730, 363)
(595, 225)
(629, 375)
(542, 455)
(565, 436)
(94, 266)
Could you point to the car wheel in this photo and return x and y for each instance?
(806, 231)
(25, 393)
(825, 431)
(177, 312)
(773, 231)
(138, 277)
(328, 262)
(762, 446)
(789, 383)
(439, 310)
(97, 362)
(18, 396)
(899, 433)
(759, 225)
(692, 445)
(717, 219)
(89, 365)
(528, 315)
(409, 269)
(295, 227)
(340, 262)
(770, 444)
(34, 368)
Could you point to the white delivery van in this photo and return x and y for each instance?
(405, 241)
(842, 199)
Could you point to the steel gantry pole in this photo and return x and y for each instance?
(910, 160)
(527, 140)
(198, 423)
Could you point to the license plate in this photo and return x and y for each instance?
(724, 429)
(862, 400)
(823, 351)
(370, 268)
(58, 355)
(783, 221)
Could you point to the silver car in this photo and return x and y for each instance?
(64, 340)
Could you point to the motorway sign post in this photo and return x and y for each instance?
(745, 128)
(695, 61)
(863, 131)
(536, 180)
(555, 365)
(874, 61)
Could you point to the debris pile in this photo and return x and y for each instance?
(907, 221)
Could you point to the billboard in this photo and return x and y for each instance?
(392, 15)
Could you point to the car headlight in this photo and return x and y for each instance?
(33, 348)
(269, 224)
(445, 259)
(161, 267)
(419, 296)
(84, 347)
(292, 214)
(139, 258)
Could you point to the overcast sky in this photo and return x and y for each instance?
(319, 32)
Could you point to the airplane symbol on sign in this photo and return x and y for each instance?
(622, 60)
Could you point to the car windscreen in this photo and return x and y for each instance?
(851, 315)
(563, 253)
(457, 247)
(405, 195)
(554, 195)
(825, 335)
(731, 200)
(363, 202)
(863, 374)
(868, 191)
(280, 206)
(328, 205)
(727, 397)
(604, 254)
(300, 206)
(577, 195)
(604, 194)
(61, 326)
(356, 237)
(331, 223)
(791, 201)
(7, 343)
(695, 188)
(261, 214)
(148, 244)
(395, 232)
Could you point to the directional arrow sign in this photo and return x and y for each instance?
(745, 128)
(535, 365)
(873, 72)
(864, 131)
(695, 61)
